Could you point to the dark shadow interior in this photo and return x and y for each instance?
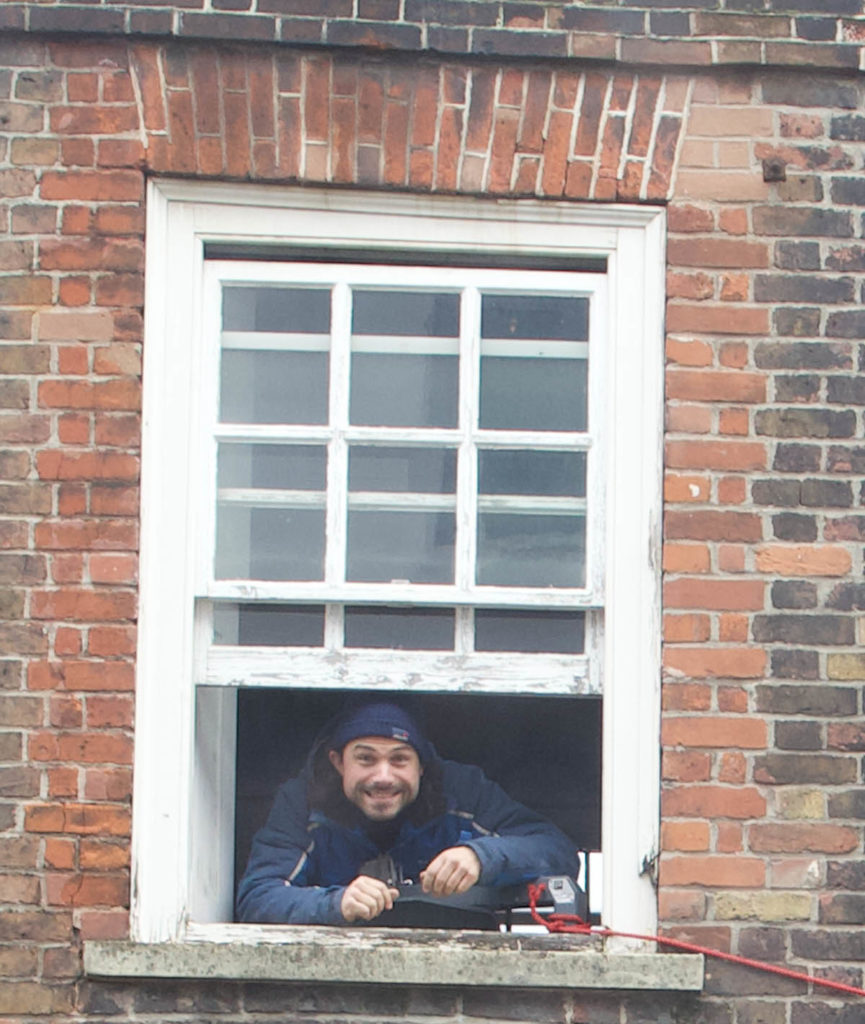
(544, 751)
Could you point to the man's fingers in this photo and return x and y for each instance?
(453, 871)
(365, 898)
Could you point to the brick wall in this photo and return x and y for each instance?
(763, 734)
(824, 33)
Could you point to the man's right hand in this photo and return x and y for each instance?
(365, 898)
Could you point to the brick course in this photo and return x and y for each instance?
(762, 821)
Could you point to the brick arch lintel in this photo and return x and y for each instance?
(451, 127)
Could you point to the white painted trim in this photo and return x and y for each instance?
(182, 218)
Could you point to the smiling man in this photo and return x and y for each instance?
(373, 790)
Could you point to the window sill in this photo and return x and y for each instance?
(384, 956)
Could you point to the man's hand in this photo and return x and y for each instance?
(453, 871)
(366, 898)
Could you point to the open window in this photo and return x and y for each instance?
(395, 444)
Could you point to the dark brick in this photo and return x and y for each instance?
(848, 191)
(490, 41)
(797, 91)
(842, 908)
(302, 30)
(226, 26)
(848, 128)
(801, 355)
(803, 288)
(824, 1013)
(10, 677)
(602, 20)
(168, 996)
(231, 5)
(846, 874)
(712, 525)
(846, 324)
(500, 1005)
(78, 19)
(793, 220)
(673, 24)
(380, 1002)
(848, 257)
(846, 390)
(823, 6)
(818, 30)
(805, 423)
(804, 388)
(847, 597)
(12, 18)
(794, 594)
(451, 12)
(447, 40)
(775, 492)
(845, 459)
(827, 494)
(845, 528)
(761, 1011)
(850, 804)
(812, 629)
(796, 323)
(796, 769)
(729, 979)
(763, 944)
(830, 945)
(797, 458)
(789, 526)
(151, 23)
(797, 255)
(798, 736)
(103, 999)
(379, 35)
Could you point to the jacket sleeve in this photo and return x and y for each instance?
(275, 887)
(513, 843)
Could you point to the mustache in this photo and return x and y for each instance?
(383, 790)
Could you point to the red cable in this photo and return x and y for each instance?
(570, 923)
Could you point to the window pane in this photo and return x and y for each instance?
(552, 474)
(417, 470)
(269, 543)
(422, 629)
(417, 546)
(268, 625)
(272, 466)
(532, 632)
(274, 355)
(405, 362)
(534, 353)
(531, 550)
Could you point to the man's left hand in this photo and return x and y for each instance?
(453, 871)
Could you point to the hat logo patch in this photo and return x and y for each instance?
(399, 734)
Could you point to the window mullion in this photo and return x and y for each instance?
(337, 460)
(467, 464)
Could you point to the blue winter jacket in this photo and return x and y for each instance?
(302, 860)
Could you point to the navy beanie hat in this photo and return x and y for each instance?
(380, 719)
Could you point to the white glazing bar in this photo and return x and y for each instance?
(275, 341)
(337, 455)
(404, 344)
(394, 501)
(420, 671)
(255, 497)
(334, 618)
(281, 434)
(408, 594)
(530, 503)
(467, 477)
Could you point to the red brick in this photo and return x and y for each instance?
(61, 854)
(717, 252)
(91, 676)
(720, 319)
(114, 394)
(480, 114)
(119, 290)
(686, 766)
(556, 153)
(802, 837)
(731, 558)
(531, 138)
(678, 488)
(686, 628)
(82, 605)
(448, 148)
(109, 185)
(716, 386)
(343, 116)
(62, 782)
(692, 836)
(591, 109)
(720, 872)
(66, 711)
(688, 419)
(730, 839)
(715, 731)
(803, 560)
(732, 490)
(735, 422)
(58, 464)
(733, 698)
(733, 767)
(77, 819)
(712, 802)
(686, 697)
(99, 855)
(714, 594)
(108, 784)
(730, 455)
(686, 218)
(87, 890)
(707, 663)
(114, 712)
(72, 499)
(648, 90)
(395, 142)
(689, 353)
(733, 628)
(681, 906)
(113, 500)
(94, 748)
(686, 558)
(103, 924)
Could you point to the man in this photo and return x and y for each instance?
(374, 787)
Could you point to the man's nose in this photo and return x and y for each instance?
(382, 772)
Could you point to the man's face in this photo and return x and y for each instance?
(379, 776)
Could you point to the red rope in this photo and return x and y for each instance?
(571, 923)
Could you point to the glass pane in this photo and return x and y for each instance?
(274, 355)
(269, 543)
(552, 474)
(405, 361)
(274, 309)
(534, 370)
(272, 466)
(531, 550)
(414, 470)
(268, 625)
(422, 629)
(532, 632)
(416, 546)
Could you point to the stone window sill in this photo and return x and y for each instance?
(405, 957)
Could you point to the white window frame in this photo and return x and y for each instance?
(181, 876)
